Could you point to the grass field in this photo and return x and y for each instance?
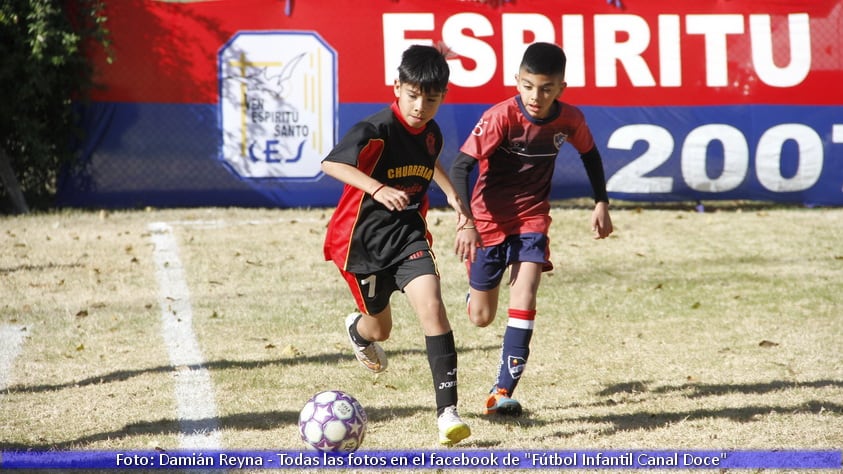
(684, 330)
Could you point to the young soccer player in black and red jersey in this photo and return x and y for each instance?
(515, 144)
(378, 235)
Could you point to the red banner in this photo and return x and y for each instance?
(649, 52)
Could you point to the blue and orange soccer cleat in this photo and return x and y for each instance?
(499, 403)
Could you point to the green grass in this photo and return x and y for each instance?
(684, 330)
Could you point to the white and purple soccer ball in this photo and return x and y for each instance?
(333, 421)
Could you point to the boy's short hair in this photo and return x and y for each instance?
(544, 58)
(425, 67)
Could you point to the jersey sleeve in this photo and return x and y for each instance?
(581, 139)
(486, 135)
(352, 144)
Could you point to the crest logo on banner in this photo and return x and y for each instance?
(277, 104)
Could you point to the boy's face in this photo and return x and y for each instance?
(539, 91)
(417, 108)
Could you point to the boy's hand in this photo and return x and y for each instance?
(467, 241)
(601, 222)
(393, 199)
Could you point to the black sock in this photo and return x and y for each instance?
(442, 357)
(355, 336)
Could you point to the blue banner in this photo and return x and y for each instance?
(449, 459)
(170, 155)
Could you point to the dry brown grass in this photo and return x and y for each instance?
(685, 330)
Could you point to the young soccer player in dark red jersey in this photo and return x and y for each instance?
(515, 144)
(378, 235)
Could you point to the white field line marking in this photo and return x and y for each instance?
(11, 343)
(194, 391)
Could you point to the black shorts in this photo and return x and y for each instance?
(372, 291)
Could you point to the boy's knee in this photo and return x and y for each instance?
(481, 318)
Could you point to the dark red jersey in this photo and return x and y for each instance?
(363, 235)
(517, 155)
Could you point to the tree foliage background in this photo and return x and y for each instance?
(44, 71)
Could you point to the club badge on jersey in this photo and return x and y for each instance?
(559, 139)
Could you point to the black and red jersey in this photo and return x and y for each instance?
(363, 235)
(516, 154)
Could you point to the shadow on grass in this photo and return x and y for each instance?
(123, 375)
(652, 420)
(695, 390)
(39, 267)
(263, 421)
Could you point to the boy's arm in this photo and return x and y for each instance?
(460, 171)
(601, 222)
(447, 187)
(594, 168)
(468, 239)
(393, 199)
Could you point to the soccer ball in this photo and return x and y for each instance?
(333, 421)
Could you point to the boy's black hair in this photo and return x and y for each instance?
(425, 67)
(544, 58)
